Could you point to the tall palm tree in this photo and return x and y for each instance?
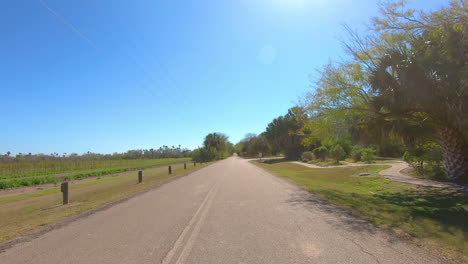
(427, 85)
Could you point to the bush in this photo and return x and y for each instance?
(368, 155)
(345, 143)
(426, 159)
(205, 155)
(307, 156)
(337, 153)
(391, 149)
(196, 155)
(356, 153)
(321, 153)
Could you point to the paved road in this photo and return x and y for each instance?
(229, 212)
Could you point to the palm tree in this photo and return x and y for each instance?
(425, 88)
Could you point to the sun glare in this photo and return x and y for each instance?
(300, 5)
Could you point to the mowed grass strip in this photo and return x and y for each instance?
(22, 213)
(438, 218)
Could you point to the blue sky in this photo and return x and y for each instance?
(107, 75)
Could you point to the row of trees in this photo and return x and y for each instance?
(281, 136)
(402, 90)
(159, 153)
(216, 146)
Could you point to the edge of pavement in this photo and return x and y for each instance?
(31, 235)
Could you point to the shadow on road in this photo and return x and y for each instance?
(342, 218)
(445, 208)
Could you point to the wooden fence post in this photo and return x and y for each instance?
(185, 166)
(64, 188)
(170, 170)
(140, 176)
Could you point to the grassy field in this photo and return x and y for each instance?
(14, 181)
(436, 218)
(22, 213)
(42, 168)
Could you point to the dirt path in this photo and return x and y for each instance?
(394, 173)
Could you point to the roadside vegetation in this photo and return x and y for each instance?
(21, 180)
(15, 182)
(216, 146)
(25, 212)
(402, 92)
(436, 218)
(25, 165)
(98, 166)
(27, 170)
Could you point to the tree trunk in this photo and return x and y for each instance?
(454, 147)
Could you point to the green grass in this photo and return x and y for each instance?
(15, 182)
(44, 180)
(328, 162)
(48, 168)
(386, 161)
(28, 182)
(437, 218)
(25, 212)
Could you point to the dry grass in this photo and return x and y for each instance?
(22, 213)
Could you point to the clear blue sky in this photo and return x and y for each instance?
(106, 75)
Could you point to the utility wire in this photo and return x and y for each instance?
(90, 42)
(70, 25)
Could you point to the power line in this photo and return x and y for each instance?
(84, 37)
(70, 25)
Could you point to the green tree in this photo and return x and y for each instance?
(337, 153)
(407, 80)
(321, 152)
(356, 153)
(424, 80)
(339, 103)
(215, 147)
(368, 155)
(286, 133)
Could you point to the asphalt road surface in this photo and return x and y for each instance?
(229, 212)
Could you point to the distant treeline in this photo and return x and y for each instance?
(159, 153)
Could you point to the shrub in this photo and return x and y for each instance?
(204, 155)
(426, 159)
(356, 153)
(321, 153)
(337, 153)
(307, 156)
(345, 143)
(368, 155)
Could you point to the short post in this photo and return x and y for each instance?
(170, 170)
(140, 176)
(64, 188)
(194, 163)
(185, 166)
